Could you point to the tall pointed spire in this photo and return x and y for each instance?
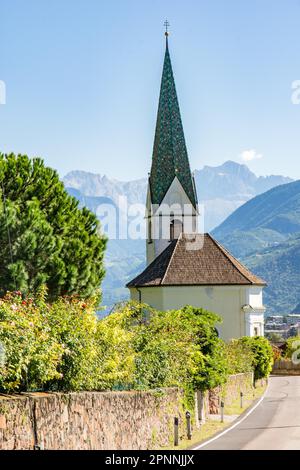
(170, 156)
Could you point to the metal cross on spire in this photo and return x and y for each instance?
(166, 25)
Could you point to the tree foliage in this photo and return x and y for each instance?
(53, 241)
(173, 348)
(62, 346)
(274, 337)
(292, 350)
(47, 346)
(115, 336)
(239, 357)
(262, 355)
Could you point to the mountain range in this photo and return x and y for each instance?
(265, 235)
(221, 190)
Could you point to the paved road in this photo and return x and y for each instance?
(274, 424)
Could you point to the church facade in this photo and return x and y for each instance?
(185, 267)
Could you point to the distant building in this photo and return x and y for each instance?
(185, 267)
(293, 318)
(285, 325)
(279, 319)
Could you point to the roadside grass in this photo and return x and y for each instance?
(211, 427)
(235, 407)
(207, 430)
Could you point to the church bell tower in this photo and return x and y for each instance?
(172, 206)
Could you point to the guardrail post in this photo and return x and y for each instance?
(222, 412)
(188, 425)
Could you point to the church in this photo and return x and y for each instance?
(184, 266)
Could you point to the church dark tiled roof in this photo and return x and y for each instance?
(170, 156)
(195, 260)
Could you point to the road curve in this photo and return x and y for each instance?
(273, 425)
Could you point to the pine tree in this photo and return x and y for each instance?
(45, 238)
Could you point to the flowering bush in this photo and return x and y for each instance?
(150, 349)
(262, 355)
(239, 357)
(62, 346)
(46, 346)
(116, 352)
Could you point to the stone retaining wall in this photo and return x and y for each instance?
(209, 402)
(230, 392)
(106, 420)
(90, 420)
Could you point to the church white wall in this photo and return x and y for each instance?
(149, 295)
(254, 323)
(177, 202)
(255, 296)
(223, 300)
(226, 301)
(150, 252)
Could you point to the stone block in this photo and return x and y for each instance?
(2, 422)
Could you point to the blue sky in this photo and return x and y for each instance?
(83, 79)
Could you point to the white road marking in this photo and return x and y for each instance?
(234, 425)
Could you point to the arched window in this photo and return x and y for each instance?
(172, 226)
(149, 230)
(172, 230)
(176, 228)
(160, 226)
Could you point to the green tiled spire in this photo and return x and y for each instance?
(170, 156)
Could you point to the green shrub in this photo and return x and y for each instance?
(47, 347)
(114, 338)
(62, 346)
(292, 346)
(239, 357)
(262, 355)
(73, 324)
(172, 348)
